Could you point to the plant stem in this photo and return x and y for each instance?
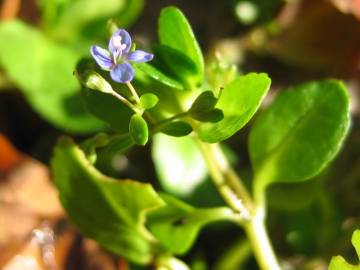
(237, 197)
(133, 92)
(225, 180)
(170, 263)
(157, 127)
(260, 242)
(126, 102)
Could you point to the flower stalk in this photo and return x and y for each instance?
(133, 92)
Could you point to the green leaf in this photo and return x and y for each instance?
(339, 263)
(239, 101)
(148, 100)
(205, 102)
(107, 108)
(138, 129)
(177, 65)
(42, 69)
(175, 31)
(212, 116)
(108, 210)
(177, 224)
(70, 20)
(178, 163)
(203, 110)
(177, 129)
(158, 75)
(300, 133)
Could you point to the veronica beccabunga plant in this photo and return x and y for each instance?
(198, 108)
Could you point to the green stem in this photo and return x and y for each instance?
(170, 263)
(237, 197)
(133, 92)
(167, 121)
(126, 102)
(225, 179)
(260, 242)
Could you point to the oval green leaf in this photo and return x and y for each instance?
(300, 133)
(177, 64)
(108, 210)
(212, 116)
(239, 101)
(43, 72)
(159, 75)
(175, 31)
(177, 129)
(205, 102)
(107, 108)
(148, 101)
(138, 129)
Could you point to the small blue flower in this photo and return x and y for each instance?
(116, 59)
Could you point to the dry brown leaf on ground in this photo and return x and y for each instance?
(27, 197)
(33, 232)
(348, 6)
(314, 41)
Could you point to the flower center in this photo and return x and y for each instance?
(119, 47)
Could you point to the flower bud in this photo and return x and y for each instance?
(95, 81)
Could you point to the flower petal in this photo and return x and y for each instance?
(102, 57)
(140, 56)
(125, 39)
(122, 73)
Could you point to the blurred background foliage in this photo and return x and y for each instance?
(293, 41)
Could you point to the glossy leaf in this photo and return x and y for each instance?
(174, 31)
(212, 116)
(138, 129)
(148, 101)
(178, 163)
(177, 224)
(159, 75)
(177, 129)
(300, 133)
(203, 110)
(205, 102)
(339, 263)
(107, 108)
(42, 70)
(177, 65)
(239, 101)
(111, 211)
